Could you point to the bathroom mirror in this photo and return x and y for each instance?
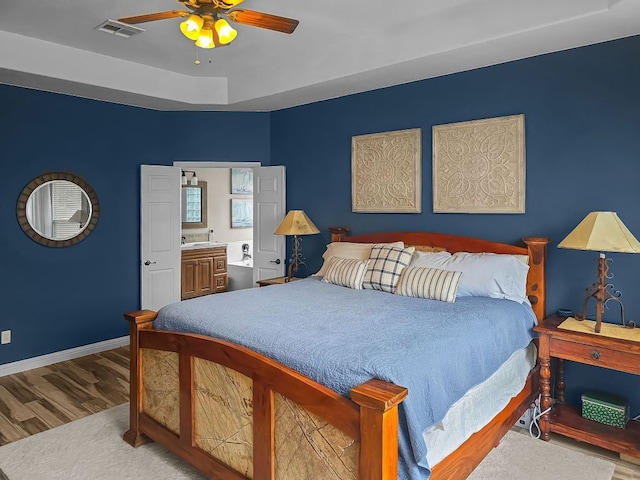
(194, 205)
(58, 209)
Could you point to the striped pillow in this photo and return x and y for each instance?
(432, 283)
(346, 272)
(385, 266)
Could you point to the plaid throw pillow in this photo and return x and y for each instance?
(385, 266)
(431, 283)
(346, 272)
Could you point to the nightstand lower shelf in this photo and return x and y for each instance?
(567, 421)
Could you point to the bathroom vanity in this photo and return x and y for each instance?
(203, 269)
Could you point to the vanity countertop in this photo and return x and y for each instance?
(195, 245)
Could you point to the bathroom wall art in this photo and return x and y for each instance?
(242, 181)
(241, 213)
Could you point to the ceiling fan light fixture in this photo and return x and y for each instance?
(191, 27)
(205, 38)
(225, 32)
(204, 26)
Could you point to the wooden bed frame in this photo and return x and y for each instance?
(235, 414)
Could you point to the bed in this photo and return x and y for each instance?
(236, 413)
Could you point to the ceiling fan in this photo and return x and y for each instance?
(206, 21)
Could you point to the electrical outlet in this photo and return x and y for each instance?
(6, 337)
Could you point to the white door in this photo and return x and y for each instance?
(268, 212)
(159, 236)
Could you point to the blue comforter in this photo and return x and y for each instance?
(342, 337)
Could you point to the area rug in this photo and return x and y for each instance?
(92, 448)
(520, 457)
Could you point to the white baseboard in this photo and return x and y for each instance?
(61, 356)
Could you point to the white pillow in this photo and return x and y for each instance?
(521, 258)
(431, 283)
(346, 272)
(357, 251)
(485, 274)
(386, 263)
(425, 259)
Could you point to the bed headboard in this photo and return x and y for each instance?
(534, 247)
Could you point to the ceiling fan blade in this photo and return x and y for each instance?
(150, 17)
(264, 20)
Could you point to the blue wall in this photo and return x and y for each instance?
(56, 299)
(582, 120)
(582, 115)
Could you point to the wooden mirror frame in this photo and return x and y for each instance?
(203, 206)
(21, 210)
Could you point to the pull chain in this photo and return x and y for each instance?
(197, 60)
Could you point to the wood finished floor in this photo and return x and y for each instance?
(47, 397)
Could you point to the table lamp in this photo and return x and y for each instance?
(296, 223)
(603, 232)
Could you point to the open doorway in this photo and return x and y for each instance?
(231, 219)
(161, 228)
(227, 214)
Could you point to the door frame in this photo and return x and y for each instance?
(195, 164)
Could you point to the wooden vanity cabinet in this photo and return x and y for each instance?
(204, 271)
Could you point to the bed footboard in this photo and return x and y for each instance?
(235, 414)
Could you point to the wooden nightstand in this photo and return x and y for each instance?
(275, 281)
(591, 349)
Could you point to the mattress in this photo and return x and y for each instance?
(479, 405)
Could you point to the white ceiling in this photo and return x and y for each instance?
(339, 48)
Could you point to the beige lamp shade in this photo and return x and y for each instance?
(601, 231)
(296, 223)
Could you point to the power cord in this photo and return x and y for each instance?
(536, 416)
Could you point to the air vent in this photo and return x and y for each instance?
(118, 28)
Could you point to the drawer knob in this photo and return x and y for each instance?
(595, 354)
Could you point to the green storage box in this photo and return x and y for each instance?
(605, 408)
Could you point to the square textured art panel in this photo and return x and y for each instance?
(479, 166)
(386, 172)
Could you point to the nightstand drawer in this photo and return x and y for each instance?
(627, 361)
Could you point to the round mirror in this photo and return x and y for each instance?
(58, 209)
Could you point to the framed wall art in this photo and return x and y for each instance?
(242, 181)
(479, 166)
(241, 213)
(386, 172)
